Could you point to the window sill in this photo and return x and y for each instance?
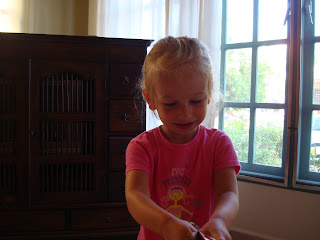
(306, 185)
(270, 180)
(262, 178)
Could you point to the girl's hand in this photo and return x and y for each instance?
(217, 229)
(177, 229)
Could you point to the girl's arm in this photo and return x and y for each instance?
(148, 214)
(226, 205)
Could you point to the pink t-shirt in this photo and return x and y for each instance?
(181, 176)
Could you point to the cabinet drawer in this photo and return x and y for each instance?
(32, 221)
(117, 217)
(123, 117)
(117, 152)
(123, 80)
(117, 187)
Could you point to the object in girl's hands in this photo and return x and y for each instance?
(201, 236)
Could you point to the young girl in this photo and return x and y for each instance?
(181, 176)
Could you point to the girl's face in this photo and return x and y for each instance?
(181, 100)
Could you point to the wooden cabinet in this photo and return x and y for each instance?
(67, 113)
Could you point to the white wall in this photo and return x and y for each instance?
(276, 213)
(45, 16)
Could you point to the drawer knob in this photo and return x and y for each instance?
(126, 117)
(32, 131)
(107, 220)
(125, 81)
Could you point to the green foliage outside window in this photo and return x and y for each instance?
(238, 77)
(268, 137)
(268, 142)
(268, 145)
(237, 132)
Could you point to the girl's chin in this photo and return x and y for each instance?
(180, 134)
(185, 126)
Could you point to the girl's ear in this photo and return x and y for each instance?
(148, 99)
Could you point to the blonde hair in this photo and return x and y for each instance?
(169, 54)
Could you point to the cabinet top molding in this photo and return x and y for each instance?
(73, 39)
(24, 46)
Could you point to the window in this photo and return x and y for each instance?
(309, 155)
(257, 61)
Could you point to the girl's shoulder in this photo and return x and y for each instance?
(212, 132)
(214, 137)
(147, 137)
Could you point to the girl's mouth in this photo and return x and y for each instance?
(184, 125)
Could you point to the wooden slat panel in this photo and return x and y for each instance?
(61, 138)
(67, 177)
(8, 178)
(67, 92)
(7, 96)
(8, 137)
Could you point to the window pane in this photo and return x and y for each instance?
(236, 125)
(271, 74)
(314, 164)
(316, 76)
(317, 18)
(239, 21)
(238, 75)
(269, 137)
(271, 18)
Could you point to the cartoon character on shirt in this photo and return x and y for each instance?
(176, 194)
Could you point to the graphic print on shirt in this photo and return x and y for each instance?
(178, 201)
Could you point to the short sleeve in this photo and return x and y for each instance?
(137, 156)
(225, 154)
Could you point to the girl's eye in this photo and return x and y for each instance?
(169, 104)
(196, 101)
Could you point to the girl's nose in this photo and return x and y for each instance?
(185, 111)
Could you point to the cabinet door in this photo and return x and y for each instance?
(13, 134)
(67, 121)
